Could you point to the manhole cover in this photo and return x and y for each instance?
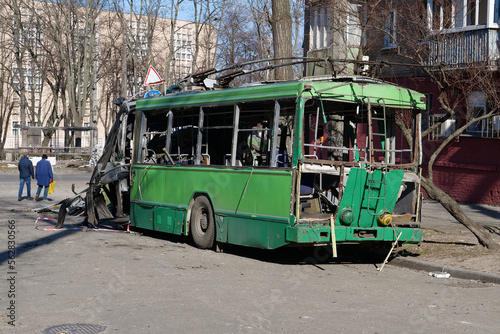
(75, 329)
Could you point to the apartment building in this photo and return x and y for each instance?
(453, 36)
(65, 91)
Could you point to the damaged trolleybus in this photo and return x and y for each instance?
(309, 162)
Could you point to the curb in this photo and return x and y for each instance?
(454, 272)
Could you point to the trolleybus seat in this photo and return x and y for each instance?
(319, 183)
(306, 185)
(328, 191)
(309, 198)
(318, 189)
(205, 159)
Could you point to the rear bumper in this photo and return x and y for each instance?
(304, 234)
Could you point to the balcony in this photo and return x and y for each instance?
(444, 130)
(465, 47)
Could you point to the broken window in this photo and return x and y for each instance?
(244, 134)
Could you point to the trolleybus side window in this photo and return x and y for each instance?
(158, 132)
(255, 133)
(265, 133)
(330, 131)
(340, 132)
(215, 133)
(244, 134)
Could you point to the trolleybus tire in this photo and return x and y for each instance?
(202, 224)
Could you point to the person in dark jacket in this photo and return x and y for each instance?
(44, 177)
(25, 167)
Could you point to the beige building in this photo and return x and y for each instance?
(89, 67)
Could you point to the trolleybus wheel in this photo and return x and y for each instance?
(202, 223)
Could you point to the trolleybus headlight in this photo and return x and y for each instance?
(385, 219)
(346, 216)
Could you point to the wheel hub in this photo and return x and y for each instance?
(204, 222)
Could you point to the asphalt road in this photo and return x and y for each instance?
(132, 283)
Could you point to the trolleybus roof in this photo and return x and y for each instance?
(349, 89)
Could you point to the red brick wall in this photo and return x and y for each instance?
(468, 170)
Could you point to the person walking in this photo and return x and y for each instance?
(44, 177)
(25, 167)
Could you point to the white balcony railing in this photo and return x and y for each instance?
(464, 48)
(444, 130)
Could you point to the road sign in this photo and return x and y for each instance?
(152, 93)
(153, 78)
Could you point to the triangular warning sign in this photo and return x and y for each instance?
(153, 78)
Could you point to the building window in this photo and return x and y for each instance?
(183, 51)
(496, 11)
(476, 107)
(32, 79)
(446, 14)
(443, 14)
(86, 133)
(390, 31)
(425, 120)
(476, 12)
(15, 130)
(319, 30)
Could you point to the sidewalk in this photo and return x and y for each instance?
(449, 246)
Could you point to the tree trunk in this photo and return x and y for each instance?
(282, 37)
(456, 211)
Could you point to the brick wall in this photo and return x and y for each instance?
(469, 170)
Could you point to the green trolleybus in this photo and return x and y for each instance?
(309, 162)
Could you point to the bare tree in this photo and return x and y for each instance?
(246, 34)
(137, 30)
(297, 12)
(110, 60)
(20, 23)
(206, 13)
(170, 33)
(6, 103)
(70, 38)
(261, 19)
(238, 44)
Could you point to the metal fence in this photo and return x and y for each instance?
(83, 147)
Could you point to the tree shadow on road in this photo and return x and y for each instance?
(455, 243)
(493, 229)
(25, 247)
(484, 210)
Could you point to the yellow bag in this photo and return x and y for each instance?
(52, 186)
